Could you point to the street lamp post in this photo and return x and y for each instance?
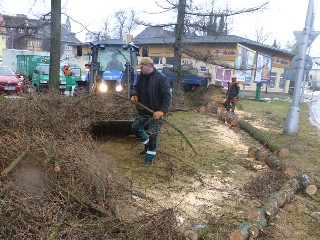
(292, 120)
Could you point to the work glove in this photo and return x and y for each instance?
(158, 114)
(235, 99)
(134, 99)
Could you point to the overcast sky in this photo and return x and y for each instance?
(280, 19)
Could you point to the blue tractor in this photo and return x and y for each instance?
(113, 66)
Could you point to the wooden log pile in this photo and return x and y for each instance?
(276, 163)
(259, 218)
(209, 107)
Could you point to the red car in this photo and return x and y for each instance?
(9, 81)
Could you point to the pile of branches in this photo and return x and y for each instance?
(53, 182)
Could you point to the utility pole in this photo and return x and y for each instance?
(292, 120)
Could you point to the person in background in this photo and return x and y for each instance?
(232, 93)
(115, 64)
(152, 89)
(66, 69)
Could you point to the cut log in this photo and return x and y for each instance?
(259, 135)
(252, 151)
(232, 119)
(14, 163)
(196, 231)
(305, 181)
(260, 217)
(261, 156)
(283, 152)
(221, 110)
(242, 232)
(202, 109)
(213, 109)
(311, 189)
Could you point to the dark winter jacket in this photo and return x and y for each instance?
(153, 91)
(233, 90)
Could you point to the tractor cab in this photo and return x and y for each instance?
(113, 66)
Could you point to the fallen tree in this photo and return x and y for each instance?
(263, 139)
(260, 217)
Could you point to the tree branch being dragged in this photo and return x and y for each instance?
(165, 120)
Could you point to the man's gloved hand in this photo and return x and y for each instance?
(158, 114)
(134, 99)
(235, 99)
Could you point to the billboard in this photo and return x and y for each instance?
(244, 64)
(263, 69)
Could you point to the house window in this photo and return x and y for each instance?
(38, 44)
(169, 60)
(203, 68)
(282, 82)
(30, 43)
(68, 48)
(273, 78)
(157, 60)
(21, 30)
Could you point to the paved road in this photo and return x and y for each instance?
(314, 107)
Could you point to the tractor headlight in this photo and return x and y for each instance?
(119, 86)
(103, 87)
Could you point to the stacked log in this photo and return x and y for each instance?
(260, 217)
(289, 171)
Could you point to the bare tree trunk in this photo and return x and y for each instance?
(55, 45)
(178, 96)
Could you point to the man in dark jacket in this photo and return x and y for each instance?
(232, 93)
(152, 90)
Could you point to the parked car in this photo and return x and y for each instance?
(314, 85)
(9, 81)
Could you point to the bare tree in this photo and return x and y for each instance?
(261, 35)
(125, 23)
(55, 45)
(103, 34)
(292, 46)
(121, 18)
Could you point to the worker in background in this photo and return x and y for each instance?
(232, 94)
(152, 89)
(115, 64)
(66, 69)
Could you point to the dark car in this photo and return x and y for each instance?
(9, 81)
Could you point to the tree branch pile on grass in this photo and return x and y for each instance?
(39, 202)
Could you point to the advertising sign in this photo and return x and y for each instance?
(263, 69)
(244, 64)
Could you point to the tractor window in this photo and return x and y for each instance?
(111, 59)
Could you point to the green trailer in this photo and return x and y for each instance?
(27, 63)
